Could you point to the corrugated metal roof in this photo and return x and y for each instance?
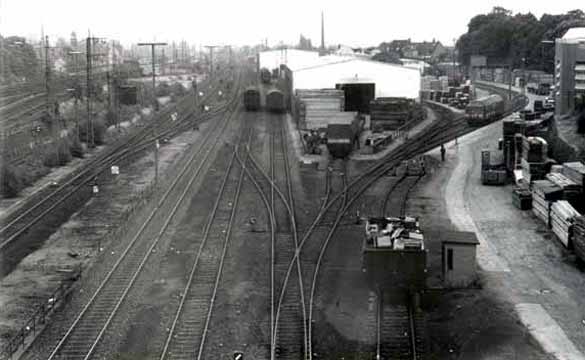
(575, 33)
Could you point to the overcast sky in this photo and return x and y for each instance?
(361, 22)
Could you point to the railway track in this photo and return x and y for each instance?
(84, 334)
(287, 292)
(441, 132)
(398, 324)
(162, 127)
(188, 333)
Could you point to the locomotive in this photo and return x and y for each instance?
(484, 110)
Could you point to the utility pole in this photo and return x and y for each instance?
(153, 45)
(211, 47)
(76, 91)
(47, 77)
(54, 122)
(89, 136)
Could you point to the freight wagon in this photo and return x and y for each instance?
(265, 75)
(341, 135)
(482, 111)
(252, 99)
(275, 101)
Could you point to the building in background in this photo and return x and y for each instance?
(569, 70)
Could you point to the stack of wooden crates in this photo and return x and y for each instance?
(314, 109)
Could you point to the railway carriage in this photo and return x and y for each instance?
(275, 101)
(482, 111)
(252, 99)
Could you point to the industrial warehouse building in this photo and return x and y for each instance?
(570, 70)
(361, 79)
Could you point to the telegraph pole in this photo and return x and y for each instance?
(211, 47)
(152, 46)
(89, 137)
(47, 76)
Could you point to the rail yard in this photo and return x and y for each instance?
(293, 202)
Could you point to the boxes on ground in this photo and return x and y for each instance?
(522, 198)
(494, 177)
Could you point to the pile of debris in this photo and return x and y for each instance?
(394, 233)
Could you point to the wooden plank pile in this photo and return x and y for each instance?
(575, 171)
(389, 113)
(561, 220)
(316, 108)
(544, 193)
(571, 190)
(579, 236)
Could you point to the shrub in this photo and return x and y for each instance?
(75, 147)
(13, 181)
(99, 131)
(60, 155)
(163, 89)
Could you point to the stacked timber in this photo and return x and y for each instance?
(316, 108)
(389, 113)
(562, 216)
(534, 161)
(579, 236)
(575, 171)
(544, 193)
(571, 190)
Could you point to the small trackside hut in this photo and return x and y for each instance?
(458, 258)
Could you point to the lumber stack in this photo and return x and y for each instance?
(575, 171)
(389, 113)
(579, 236)
(571, 190)
(544, 193)
(316, 108)
(562, 215)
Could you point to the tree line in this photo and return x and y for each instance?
(516, 39)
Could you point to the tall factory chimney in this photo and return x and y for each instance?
(322, 34)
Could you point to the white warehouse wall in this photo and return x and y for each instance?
(391, 80)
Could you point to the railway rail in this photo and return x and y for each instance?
(162, 127)
(439, 133)
(86, 331)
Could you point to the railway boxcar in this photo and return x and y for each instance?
(482, 111)
(265, 75)
(275, 101)
(252, 99)
(342, 133)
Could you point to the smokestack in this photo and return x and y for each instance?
(322, 33)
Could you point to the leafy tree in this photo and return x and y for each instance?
(516, 39)
(20, 60)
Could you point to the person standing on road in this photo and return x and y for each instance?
(443, 152)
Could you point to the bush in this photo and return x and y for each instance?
(60, 155)
(110, 118)
(75, 147)
(13, 181)
(178, 90)
(99, 131)
(163, 89)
